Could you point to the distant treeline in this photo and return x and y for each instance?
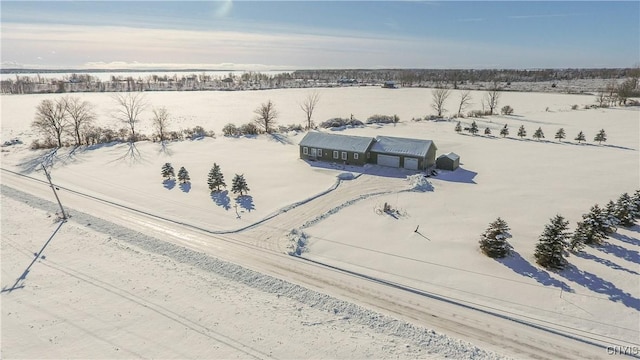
(199, 80)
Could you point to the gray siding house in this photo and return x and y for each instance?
(413, 154)
(448, 161)
(344, 149)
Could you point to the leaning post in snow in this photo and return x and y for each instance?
(64, 215)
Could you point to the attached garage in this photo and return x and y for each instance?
(389, 160)
(413, 154)
(411, 163)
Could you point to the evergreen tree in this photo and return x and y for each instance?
(636, 201)
(487, 131)
(474, 128)
(504, 131)
(215, 179)
(493, 242)
(611, 220)
(522, 132)
(183, 175)
(560, 134)
(538, 134)
(552, 241)
(239, 185)
(594, 226)
(458, 128)
(167, 171)
(579, 237)
(580, 137)
(600, 136)
(625, 210)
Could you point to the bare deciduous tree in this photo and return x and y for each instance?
(465, 100)
(130, 106)
(308, 105)
(266, 116)
(81, 115)
(439, 96)
(492, 97)
(51, 119)
(161, 121)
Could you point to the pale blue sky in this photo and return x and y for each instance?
(261, 35)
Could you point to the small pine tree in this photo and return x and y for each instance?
(487, 131)
(550, 248)
(522, 132)
(579, 237)
(611, 220)
(504, 131)
(183, 175)
(560, 134)
(215, 179)
(239, 185)
(636, 201)
(580, 137)
(538, 134)
(458, 128)
(600, 136)
(473, 129)
(594, 227)
(167, 171)
(493, 242)
(625, 210)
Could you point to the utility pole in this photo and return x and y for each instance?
(64, 215)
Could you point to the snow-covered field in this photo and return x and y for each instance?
(524, 181)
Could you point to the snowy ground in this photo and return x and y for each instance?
(524, 181)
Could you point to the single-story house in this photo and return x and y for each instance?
(347, 149)
(448, 161)
(414, 154)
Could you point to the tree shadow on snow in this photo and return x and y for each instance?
(281, 138)
(458, 175)
(185, 186)
(599, 285)
(164, 148)
(221, 198)
(627, 239)
(521, 266)
(619, 251)
(604, 262)
(635, 228)
(245, 202)
(169, 184)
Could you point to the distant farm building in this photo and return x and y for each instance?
(389, 85)
(448, 161)
(413, 154)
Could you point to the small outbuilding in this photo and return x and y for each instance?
(346, 149)
(448, 161)
(413, 154)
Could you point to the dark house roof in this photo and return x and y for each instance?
(336, 142)
(402, 146)
(452, 156)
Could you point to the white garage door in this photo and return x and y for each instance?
(411, 163)
(388, 160)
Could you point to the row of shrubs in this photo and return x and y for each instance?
(98, 135)
(253, 129)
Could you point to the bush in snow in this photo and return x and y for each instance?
(230, 130)
(167, 171)
(549, 251)
(340, 122)
(215, 179)
(506, 110)
(522, 132)
(299, 241)
(249, 129)
(458, 127)
(487, 131)
(383, 119)
(239, 185)
(419, 182)
(574, 107)
(493, 242)
(183, 175)
(473, 129)
(504, 131)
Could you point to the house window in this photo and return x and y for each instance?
(305, 150)
(344, 155)
(335, 154)
(320, 152)
(355, 156)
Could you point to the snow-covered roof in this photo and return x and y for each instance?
(452, 156)
(336, 142)
(402, 146)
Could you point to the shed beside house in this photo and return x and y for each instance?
(414, 154)
(448, 161)
(346, 149)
